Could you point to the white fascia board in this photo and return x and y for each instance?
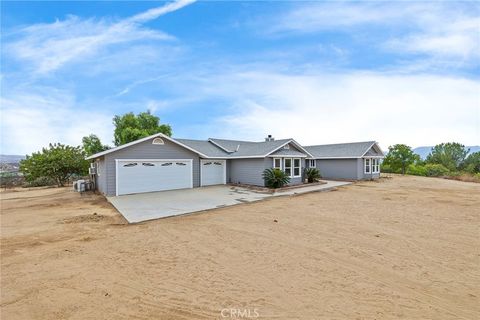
(286, 156)
(126, 145)
(368, 149)
(321, 158)
(296, 145)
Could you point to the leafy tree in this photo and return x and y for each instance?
(275, 178)
(399, 157)
(57, 162)
(92, 145)
(130, 127)
(451, 155)
(472, 163)
(312, 174)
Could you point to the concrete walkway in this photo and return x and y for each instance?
(155, 205)
(330, 184)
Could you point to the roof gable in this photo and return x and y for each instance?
(344, 150)
(126, 145)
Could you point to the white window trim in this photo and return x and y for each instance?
(310, 163)
(292, 167)
(369, 166)
(158, 141)
(299, 168)
(281, 163)
(375, 163)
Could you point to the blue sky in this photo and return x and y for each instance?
(320, 72)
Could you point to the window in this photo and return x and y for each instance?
(287, 166)
(287, 146)
(133, 164)
(158, 141)
(277, 163)
(375, 166)
(367, 165)
(148, 164)
(311, 163)
(291, 167)
(296, 167)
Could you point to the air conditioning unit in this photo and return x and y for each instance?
(92, 171)
(79, 185)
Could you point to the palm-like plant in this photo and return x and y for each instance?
(312, 174)
(275, 178)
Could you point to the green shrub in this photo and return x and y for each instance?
(386, 168)
(435, 170)
(312, 174)
(416, 170)
(40, 182)
(275, 178)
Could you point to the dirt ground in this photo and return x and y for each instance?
(398, 248)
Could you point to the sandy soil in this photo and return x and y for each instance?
(400, 248)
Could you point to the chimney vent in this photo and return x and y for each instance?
(269, 138)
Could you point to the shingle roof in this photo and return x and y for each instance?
(250, 148)
(289, 152)
(236, 148)
(216, 148)
(340, 150)
(205, 147)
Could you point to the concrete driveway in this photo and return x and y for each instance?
(155, 205)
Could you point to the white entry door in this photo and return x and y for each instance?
(213, 172)
(147, 175)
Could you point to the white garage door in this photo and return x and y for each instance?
(213, 172)
(147, 175)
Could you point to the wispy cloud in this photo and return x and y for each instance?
(32, 120)
(442, 30)
(344, 106)
(48, 47)
(159, 11)
(138, 83)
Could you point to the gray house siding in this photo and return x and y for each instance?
(248, 171)
(338, 168)
(350, 169)
(146, 150)
(361, 171)
(101, 177)
(373, 152)
(291, 151)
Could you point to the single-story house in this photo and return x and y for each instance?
(351, 161)
(159, 162)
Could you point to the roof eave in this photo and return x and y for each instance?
(123, 146)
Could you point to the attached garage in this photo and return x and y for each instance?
(148, 175)
(213, 172)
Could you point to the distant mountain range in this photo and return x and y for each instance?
(10, 163)
(11, 158)
(424, 151)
